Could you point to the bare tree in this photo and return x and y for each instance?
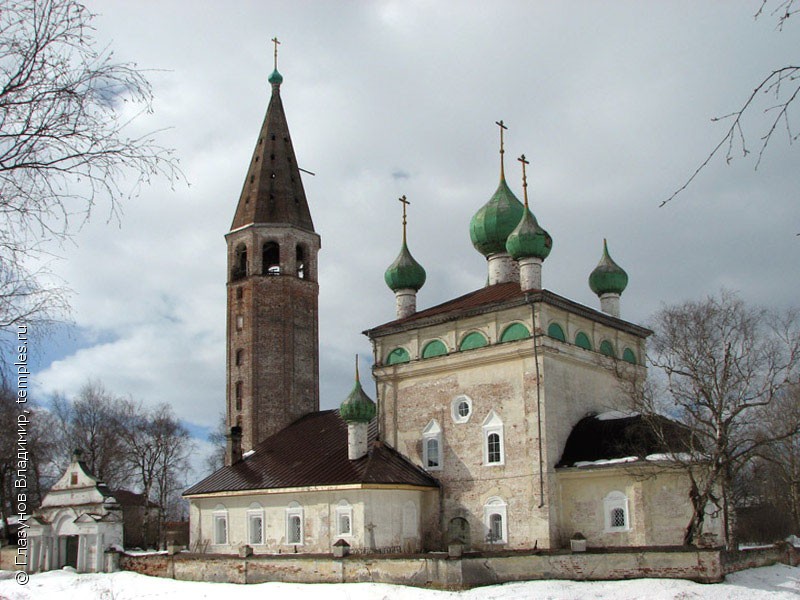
(218, 439)
(65, 110)
(93, 422)
(774, 96)
(173, 466)
(723, 365)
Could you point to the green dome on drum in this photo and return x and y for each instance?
(357, 407)
(405, 272)
(275, 77)
(529, 240)
(490, 227)
(608, 277)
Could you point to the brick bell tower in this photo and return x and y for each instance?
(273, 323)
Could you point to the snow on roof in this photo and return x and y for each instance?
(248, 453)
(616, 414)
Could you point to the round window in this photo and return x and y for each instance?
(463, 408)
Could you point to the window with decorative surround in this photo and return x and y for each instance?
(493, 445)
(495, 519)
(344, 519)
(294, 524)
(432, 446)
(255, 525)
(220, 525)
(461, 409)
(617, 515)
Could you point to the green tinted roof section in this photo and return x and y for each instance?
(405, 272)
(397, 356)
(582, 340)
(608, 277)
(607, 348)
(528, 239)
(473, 340)
(629, 356)
(275, 77)
(434, 348)
(555, 331)
(491, 225)
(515, 331)
(357, 407)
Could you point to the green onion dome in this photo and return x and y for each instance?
(608, 277)
(357, 407)
(490, 227)
(405, 272)
(276, 77)
(529, 240)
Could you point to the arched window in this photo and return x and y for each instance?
(220, 524)
(582, 340)
(300, 257)
(473, 340)
(629, 356)
(615, 509)
(556, 332)
(271, 259)
(495, 513)
(515, 331)
(239, 357)
(294, 524)
(432, 446)
(493, 446)
(255, 524)
(344, 519)
(607, 348)
(434, 348)
(397, 356)
(239, 270)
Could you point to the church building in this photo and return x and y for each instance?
(499, 423)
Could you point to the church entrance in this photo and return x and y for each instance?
(458, 532)
(72, 551)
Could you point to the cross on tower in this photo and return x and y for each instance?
(275, 43)
(524, 162)
(502, 150)
(405, 203)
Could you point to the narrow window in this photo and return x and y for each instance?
(301, 262)
(493, 446)
(220, 525)
(495, 520)
(73, 479)
(239, 270)
(615, 507)
(271, 259)
(239, 357)
(432, 446)
(255, 527)
(294, 524)
(238, 395)
(496, 527)
(344, 519)
(239, 322)
(432, 460)
(239, 293)
(295, 528)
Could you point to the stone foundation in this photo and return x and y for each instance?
(436, 570)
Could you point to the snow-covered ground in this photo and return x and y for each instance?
(778, 582)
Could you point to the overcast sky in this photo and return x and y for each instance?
(610, 101)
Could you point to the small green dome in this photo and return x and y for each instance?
(357, 407)
(405, 272)
(276, 77)
(608, 277)
(529, 239)
(490, 227)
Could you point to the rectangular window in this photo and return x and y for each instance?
(295, 533)
(255, 527)
(617, 517)
(221, 529)
(238, 395)
(493, 454)
(433, 452)
(344, 524)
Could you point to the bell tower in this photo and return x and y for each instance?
(272, 321)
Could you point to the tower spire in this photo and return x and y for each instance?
(502, 149)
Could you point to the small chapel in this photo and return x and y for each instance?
(499, 422)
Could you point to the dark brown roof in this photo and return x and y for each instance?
(595, 439)
(273, 190)
(313, 451)
(498, 297)
(128, 498)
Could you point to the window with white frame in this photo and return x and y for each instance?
(344, 519)
(220, 525)
(255, 525)
(495, 519)
(493, 447)
(461, 409)
(294, 524)
(615, 509)
(432, 446)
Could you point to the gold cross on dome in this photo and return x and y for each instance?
(405, 203)
(275, 43)
(524, 162)
(502, 149)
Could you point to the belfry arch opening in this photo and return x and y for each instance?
(239, 270)
(300, 256)
(271, 259)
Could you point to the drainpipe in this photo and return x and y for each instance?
(538, 399)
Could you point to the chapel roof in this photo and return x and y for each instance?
(498, 297)
(312, 451)
(611, 436)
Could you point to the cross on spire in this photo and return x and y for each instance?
(357, 378)
(502, 150)
(275, 42)
(405, 203)
(524, 162)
